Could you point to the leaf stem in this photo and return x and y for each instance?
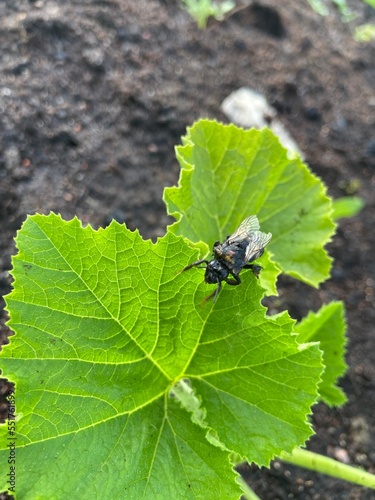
(247, 492)
(325, 465)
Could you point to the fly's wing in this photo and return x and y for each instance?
(244, 230)
(257, 241)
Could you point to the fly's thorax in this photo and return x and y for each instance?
(217, 249)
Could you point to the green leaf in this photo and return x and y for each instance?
(229, 173)
(259, 373)
(328, 327)
(365, 32)
(201, 10)
(107, 327)
(370, 2)
(347, 14)
(348, 206)
(319, 7)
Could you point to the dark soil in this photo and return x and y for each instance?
(95, 94)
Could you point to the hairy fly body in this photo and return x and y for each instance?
(237, 252)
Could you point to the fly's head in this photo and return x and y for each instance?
(215, 272)
(211, 275)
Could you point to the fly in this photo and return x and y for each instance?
(237, 252)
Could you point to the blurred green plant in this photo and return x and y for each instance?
(201, 10)
(321, 7)
(364, 33)
(347, 14)
(348, 206)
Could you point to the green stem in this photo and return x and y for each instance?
(247, 492)
(319, 463)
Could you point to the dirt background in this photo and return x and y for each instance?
(94, 95)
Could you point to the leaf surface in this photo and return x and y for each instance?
(230, 173)
(328, 327)
(348, 206)
(106, 326)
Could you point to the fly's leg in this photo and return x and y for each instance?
(235, 282)
(195, 264)
(215, 293)
(255, 268)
